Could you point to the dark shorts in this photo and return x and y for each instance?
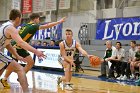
(22, 52)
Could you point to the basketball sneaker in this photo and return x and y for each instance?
(119, 78)
(132, 76)
(124, 77)
(59, 80)
(5, 84)
(68, 87)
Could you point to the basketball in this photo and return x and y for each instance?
(95, 61)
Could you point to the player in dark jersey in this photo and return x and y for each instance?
(27, 32)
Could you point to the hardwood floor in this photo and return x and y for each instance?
(44, 81)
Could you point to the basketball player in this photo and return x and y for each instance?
(8, 32)
(67, 49)
(27, 32)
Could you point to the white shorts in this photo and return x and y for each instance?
(4, 60)
(60, 60)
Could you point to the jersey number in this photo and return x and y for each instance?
(69, 53)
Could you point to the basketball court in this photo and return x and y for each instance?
(45, 81)
(92, 22)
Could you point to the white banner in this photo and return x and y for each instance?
(64, 4)
(16, 4)
(38, 5)
(51, 60)
(50, 5)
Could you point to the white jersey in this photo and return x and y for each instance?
(3, 39)
(4, 59)
(70, 50)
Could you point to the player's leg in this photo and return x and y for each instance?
(14, 66)
(17, 68)
(68, 75)
(30, 62)
(25, 54)
(132, 68)
(5, 60)
(1, 71)
(67, 72)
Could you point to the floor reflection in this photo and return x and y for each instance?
(46, 82)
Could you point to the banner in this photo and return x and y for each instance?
(54, 33)
(64, 4)
(38, 6)
(118, 29)
(50, 5)
(26, 6)
(16, 4)
(51, 60)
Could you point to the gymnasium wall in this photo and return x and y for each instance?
(87, 12)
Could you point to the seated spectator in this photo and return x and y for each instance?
(39, 43)
(132, 52)
(108, 53)
(32, 43)
(44, 43)
(52, 43)
(116, 59)
(135, 62)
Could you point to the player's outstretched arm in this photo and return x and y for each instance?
(15, 36)
(84, 53)
(49, 25)
(10, 48)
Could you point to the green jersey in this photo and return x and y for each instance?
(108, 54)
(27, 32)
(137, 55)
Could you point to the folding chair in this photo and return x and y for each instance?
(78, 60)
(137, 72)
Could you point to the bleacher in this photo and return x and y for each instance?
(98, 47)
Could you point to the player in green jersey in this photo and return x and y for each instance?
(27, 32)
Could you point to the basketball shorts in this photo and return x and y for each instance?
(60, 60)
(22, 52)
(4, 60)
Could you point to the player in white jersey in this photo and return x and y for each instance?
(8, 32)
(67, 49)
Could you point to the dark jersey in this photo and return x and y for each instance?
(108, 53)
(137, 55)
(27, 31)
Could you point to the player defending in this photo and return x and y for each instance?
(8, 32)
(27, 32)
(67, 49)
